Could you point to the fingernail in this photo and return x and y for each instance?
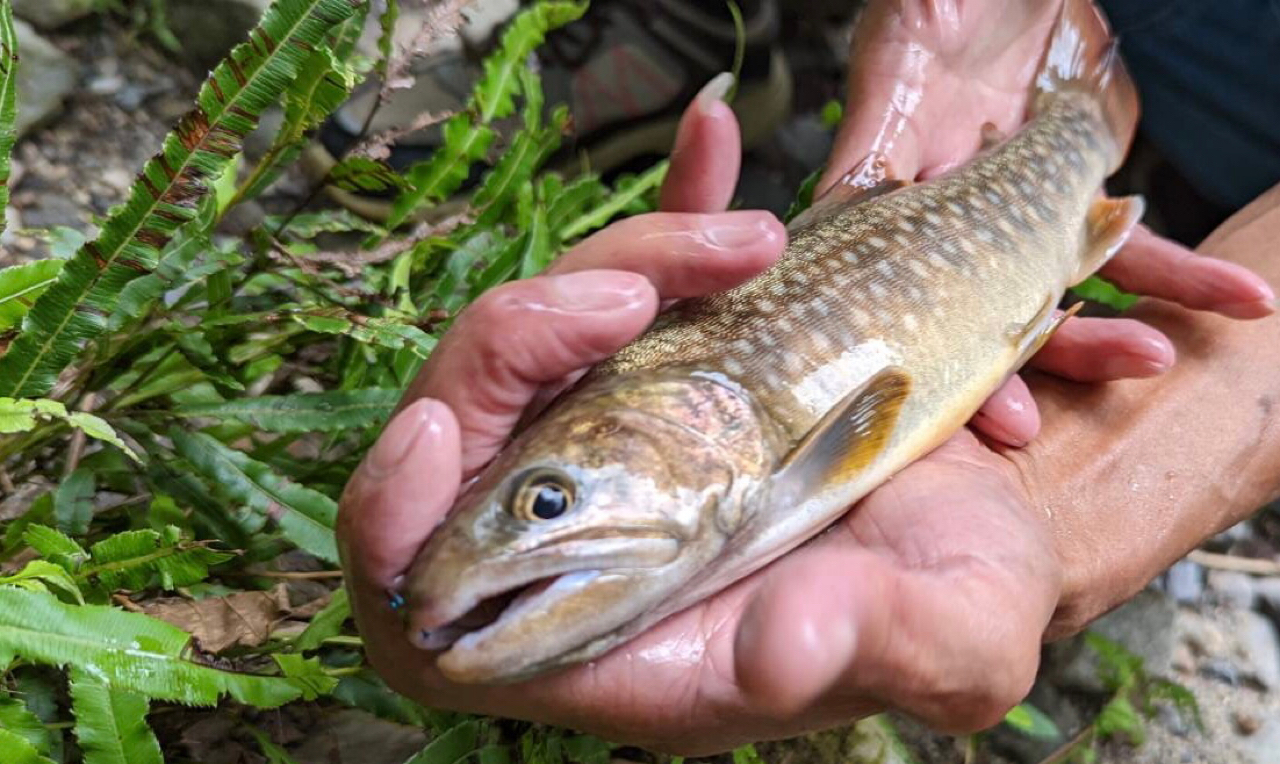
(1133, 367)
(398, 439)
(741, 229)
(597, 291)
(717, 90)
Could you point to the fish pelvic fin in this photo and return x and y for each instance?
(1083, 56)
(867, 180)
(1108, 225)
(849, 438)
(1028, 338)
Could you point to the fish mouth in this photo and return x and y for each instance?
(499, 610)
(495, 598)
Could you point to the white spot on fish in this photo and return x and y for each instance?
(938, 261)
(878, 290)
(743, 347)
(767, 306)
(906, 225)
(918, 268)
(784, 325)
(732, 366)
(901, 240)
(956, 207)
(910, 322)
(877, 242)
(933, 218)
(849, 257)
(778, 289)
(885, 268)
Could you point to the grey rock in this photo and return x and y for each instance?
(1231, 588)
(210, 28)
(1261, 646)
(1185, 582)
(1221, 670)
(1173, 719)
(46, 76)
(1143, 626)
(49, 14)
(1242, 531)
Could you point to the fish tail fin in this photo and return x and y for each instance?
(1083, 56)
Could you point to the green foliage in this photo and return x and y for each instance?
(185, 406)
(73, 310)
(111, 725)
(8, 106)
(1032, 722)
(1098, 289)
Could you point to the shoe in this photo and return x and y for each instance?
(627, 70)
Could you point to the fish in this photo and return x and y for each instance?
(744, 423)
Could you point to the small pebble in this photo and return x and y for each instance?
(1245, 722)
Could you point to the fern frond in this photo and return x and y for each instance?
(111, 725)
(22, 416)
(306, 517)
(8, 101)
(127, 651)
(468, 135)
(75, 309)
(334, 411)
(20, 285)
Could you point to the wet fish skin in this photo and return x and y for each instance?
(709, 447)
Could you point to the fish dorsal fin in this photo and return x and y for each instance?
(869, 179)
(848, 438)
(1108, 225)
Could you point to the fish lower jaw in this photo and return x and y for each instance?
(495, 614)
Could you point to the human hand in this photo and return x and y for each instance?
(924, 77)
(956, 575)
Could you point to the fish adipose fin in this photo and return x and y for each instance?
(848, 438)
(1108, 225)
(869, 179)
(1084, 57)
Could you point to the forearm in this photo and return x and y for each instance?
(1135, 474)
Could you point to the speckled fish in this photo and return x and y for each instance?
(744, 423)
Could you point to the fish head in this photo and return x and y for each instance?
(591, 517)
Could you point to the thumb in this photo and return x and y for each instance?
(398, 495)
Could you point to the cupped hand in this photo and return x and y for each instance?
(930, 597)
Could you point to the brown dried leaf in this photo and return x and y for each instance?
(242, 619)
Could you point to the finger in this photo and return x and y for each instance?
(1010, 415)
(683, 254)
(401, 490)
(1155, 266)
(1105, 349)
(707, 154)
(519, 336)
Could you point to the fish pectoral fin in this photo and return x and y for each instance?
(992, 136)
(848, 438)
(869, 179)
(1107, 227)
(1032, 335)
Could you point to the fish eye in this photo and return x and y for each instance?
(543, 495)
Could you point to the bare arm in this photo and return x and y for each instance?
(1136, 473)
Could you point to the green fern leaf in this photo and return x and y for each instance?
(75, 309)
(327, 623)
(17, 749)
(42, 574)
(306, 673)
(450, 746)
(383, 332)
(22, 416)
(8, 101)
(17, 718)
(111, 725)
(20, 285)
(128, 651)
(73, 502)
(364, 175)
(468, 135)
(334, 411)
(306, 517)
(132, 559)
(622, 199)
(55, 546)
(274, 753)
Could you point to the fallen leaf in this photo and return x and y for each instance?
(242, 619)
